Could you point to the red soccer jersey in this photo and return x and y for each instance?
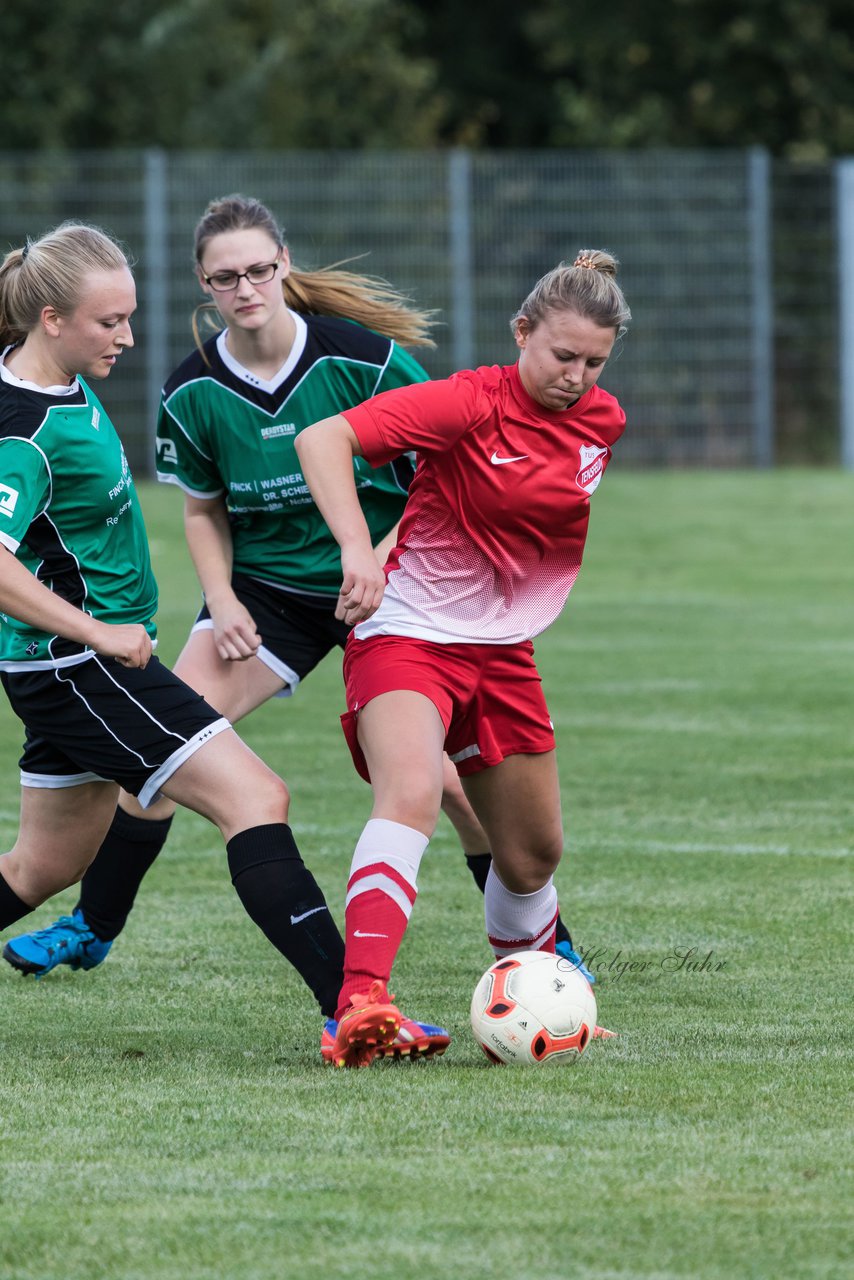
(491, 540)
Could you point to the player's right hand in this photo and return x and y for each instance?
(128, 642)
(362, 585)
(235, 635)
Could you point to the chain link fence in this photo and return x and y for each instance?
(728, 261)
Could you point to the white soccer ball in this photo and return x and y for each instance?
(533, 1007)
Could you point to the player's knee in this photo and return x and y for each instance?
(267, 795)
(546, 857)
(552, 852)
(526, 869)
(415, 804)
(280, 795)
(35, 880)
(245, 797)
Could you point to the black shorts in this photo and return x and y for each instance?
(296, 630)
(97, 721)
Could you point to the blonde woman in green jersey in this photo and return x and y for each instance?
(78, 598)
(289, 347)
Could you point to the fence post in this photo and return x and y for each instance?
(845, 232)
(462, 284)
(762, 319)
(156, 276)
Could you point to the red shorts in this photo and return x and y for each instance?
(490, 697)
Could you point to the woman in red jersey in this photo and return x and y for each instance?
(441, 658)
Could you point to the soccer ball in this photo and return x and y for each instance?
(533, 1007)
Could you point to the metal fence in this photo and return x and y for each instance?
(729, 263)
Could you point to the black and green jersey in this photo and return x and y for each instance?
(70, 513)
(223, 431)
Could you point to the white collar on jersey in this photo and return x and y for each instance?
(252, 379)
(8, 376)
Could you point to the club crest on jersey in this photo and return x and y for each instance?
(96, 417)
(592, 466)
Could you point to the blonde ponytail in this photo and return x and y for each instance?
(369, 300)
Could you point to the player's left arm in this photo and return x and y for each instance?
(208, 533)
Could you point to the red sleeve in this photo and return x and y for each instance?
(607, 416)
(425, 416)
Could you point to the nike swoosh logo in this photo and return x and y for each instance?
(357, 933)
(499, 462)
(306, 914)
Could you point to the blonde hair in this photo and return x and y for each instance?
(589, 288)
(329, 291)
(51, 272)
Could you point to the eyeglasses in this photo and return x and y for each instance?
(225, 281)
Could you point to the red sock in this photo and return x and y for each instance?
(380, 895)
(374, 932)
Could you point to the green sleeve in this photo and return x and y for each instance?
(24, 489)
(182, 455)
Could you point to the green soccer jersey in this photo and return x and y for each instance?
(222, 431)
(70, 513)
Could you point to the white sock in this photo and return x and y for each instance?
(519, 921)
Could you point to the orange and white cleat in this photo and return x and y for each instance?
(372, 1024)
(602, 1033)
(414, 1040)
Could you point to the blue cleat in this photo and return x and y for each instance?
(69, 940)
(565, 949)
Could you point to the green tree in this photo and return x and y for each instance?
(215, 74)
(415, 73)
(685, 73)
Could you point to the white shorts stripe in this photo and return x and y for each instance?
(281, 669)
(151, 791)
(56, 781)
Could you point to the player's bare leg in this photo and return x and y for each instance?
(402, 735)
(234, 688)
(518, 802)
(518, 805)
(137, 835)
(59, 835)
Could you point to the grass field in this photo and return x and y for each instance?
(167, 1115)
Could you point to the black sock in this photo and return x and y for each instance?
(561, 932)
(12, 907)
(109, 887)
(283, 898)
(479, 864)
